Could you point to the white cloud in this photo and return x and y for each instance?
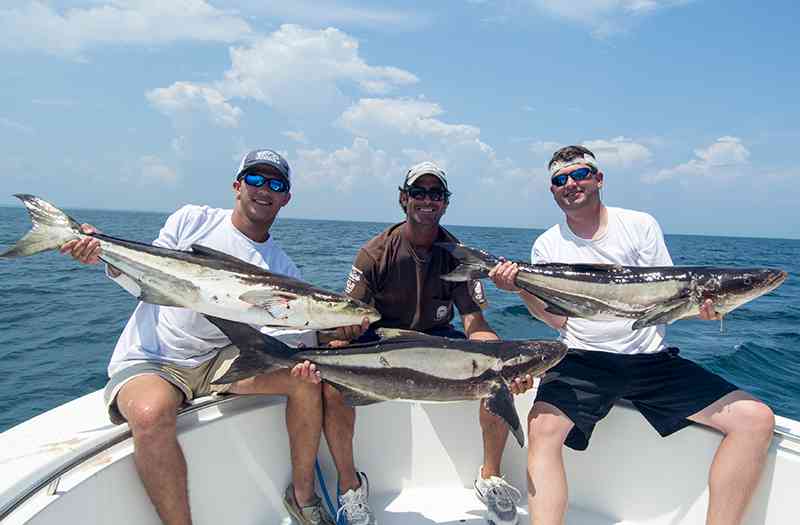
(347, 165)
(16, 126)
(294, 70)
(604, 17)
(154, 168)
(376, 116)
(321, 13)
(182, 97)
(297, 136)
(58, 102)
(726, 151)
(38, 26)
(619, 152)
(296, 67)
(727, 154)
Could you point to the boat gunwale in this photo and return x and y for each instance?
(786, 430)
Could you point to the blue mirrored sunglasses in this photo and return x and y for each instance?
(577, 175)
(275, 184)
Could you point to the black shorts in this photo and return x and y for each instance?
(664, 387)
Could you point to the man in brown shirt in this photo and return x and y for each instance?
(399, 273)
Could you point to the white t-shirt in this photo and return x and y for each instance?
(632, 239)
(181, 336)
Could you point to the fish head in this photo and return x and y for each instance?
(328, 310)
(729, 289)
(520, 358)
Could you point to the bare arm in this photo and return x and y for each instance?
(87, 250)
(504, 277)
(477, 329)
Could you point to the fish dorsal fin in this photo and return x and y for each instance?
(581, 267)
(275, 302)
(199, 249)
(501, 403)
(399, 333)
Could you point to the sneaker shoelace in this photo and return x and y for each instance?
(354, 507)
(503, 490)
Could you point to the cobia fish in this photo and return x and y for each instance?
(405, 366)
(650, 295)
(203, 280)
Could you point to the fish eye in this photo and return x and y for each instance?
(748, 281)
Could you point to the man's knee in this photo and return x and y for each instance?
(546, 426)
(331, 395)
(146, 417)
(756, 418)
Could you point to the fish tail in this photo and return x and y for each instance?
(258, 352)
(475, 264)
(51, 228)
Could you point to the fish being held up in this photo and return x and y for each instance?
(404, 366)
(650, 295)
(203, 280)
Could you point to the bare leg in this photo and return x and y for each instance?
(495, 433)
(339, 424)
(303, 422)
(150, 404)
(547, 481)
(748, 425)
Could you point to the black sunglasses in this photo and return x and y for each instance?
(434, 194)
(275, 184)
(577, 175)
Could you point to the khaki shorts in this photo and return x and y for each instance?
(191, 381)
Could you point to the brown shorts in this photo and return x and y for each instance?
(191, 381)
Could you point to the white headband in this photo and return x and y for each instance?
(561, 164)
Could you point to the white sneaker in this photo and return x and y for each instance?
(353, 505)
(500, 498)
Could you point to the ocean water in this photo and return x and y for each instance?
(59, 320)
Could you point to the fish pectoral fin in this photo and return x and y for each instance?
(501, 403)
(665, 313)
(276, 303)
(398, 333)
(149, 294)
(556, 310)
(354, 398)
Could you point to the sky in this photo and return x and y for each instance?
(690, 105)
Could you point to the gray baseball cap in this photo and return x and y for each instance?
(266, 157)
(425, 168)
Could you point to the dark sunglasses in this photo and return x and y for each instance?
(434, 194)
(577, 175)
(275, 184)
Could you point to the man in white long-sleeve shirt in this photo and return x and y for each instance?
(166, 356)
(608, 360)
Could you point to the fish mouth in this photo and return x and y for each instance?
(776, 278)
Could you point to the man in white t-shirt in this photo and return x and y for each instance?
(166, 356)
(608, 360)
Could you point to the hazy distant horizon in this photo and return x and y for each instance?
(446, 224)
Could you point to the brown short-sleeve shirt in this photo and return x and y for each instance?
(407, 291)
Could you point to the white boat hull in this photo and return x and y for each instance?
(421, 460)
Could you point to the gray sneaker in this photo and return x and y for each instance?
(500, 498)
(312, 514)
(354, 505)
